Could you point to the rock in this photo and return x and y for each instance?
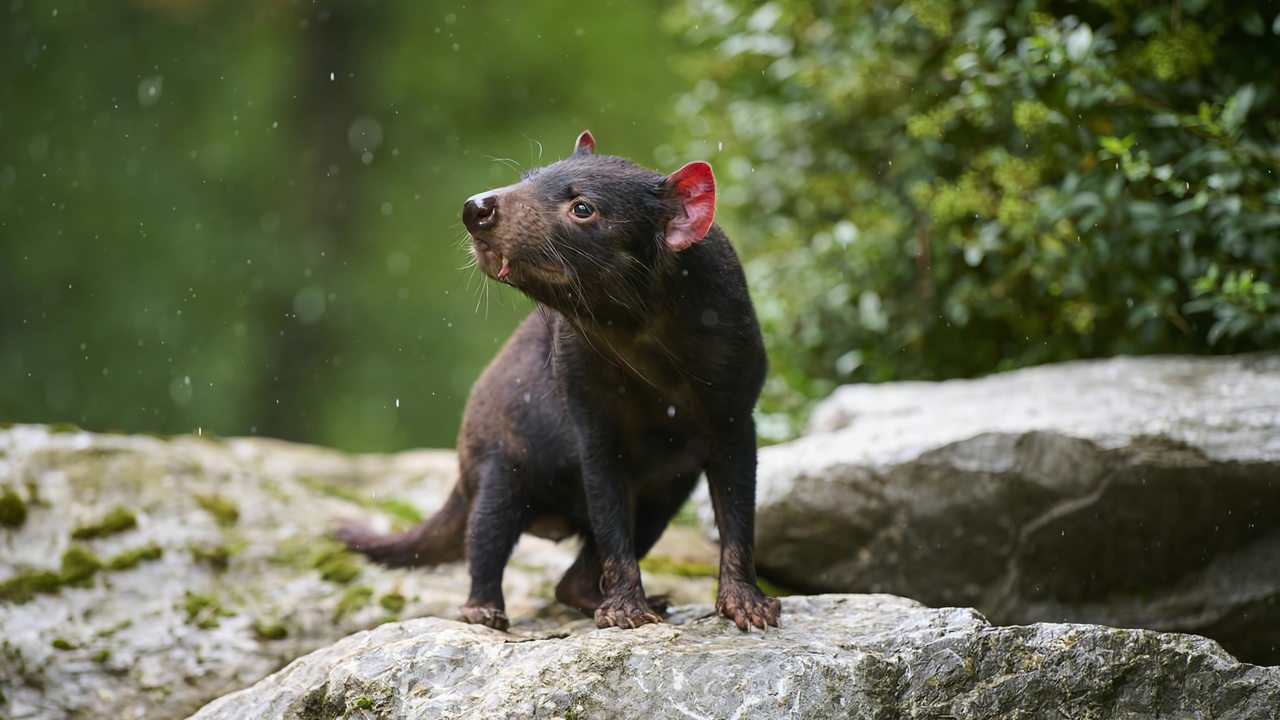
(836, 656)
(1132, 492)
(143, 577)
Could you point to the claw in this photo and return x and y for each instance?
(625, 617)
(488, 616)
(747, 607)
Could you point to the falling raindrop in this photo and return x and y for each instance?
(149, 90)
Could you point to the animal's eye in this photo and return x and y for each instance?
(582, 209)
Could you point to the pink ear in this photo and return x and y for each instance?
(585, 143)
(695, 190)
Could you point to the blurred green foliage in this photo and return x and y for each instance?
(243, 217)
(939, 188)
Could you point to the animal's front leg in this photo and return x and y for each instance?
(609, 505)
(492, 532)
(731, 477)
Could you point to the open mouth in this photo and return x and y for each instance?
(499, 266)
(495, 264)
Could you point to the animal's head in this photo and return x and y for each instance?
(593, 227)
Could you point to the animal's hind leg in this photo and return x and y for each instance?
(492, 532)
(580, 586)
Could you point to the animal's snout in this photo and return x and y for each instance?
(480, 211)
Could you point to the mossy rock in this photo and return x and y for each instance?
(24, 588)
(223, 510)
(393, 602)
(117, 521)
(79, 566)
(13, 510)
(353, 599)
(266, 630)
(130, 559)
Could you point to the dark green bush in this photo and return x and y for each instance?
(941, 188)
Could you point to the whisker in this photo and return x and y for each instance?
(533, 142)
(481, 292)
(509, 162)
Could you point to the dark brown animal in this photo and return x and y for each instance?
(637, 372)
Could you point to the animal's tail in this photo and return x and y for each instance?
(440, 538)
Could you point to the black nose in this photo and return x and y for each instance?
(480, 212)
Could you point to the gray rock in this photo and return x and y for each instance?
(1129, 492)
(868, 657)
(1133, 492)
(218, 570)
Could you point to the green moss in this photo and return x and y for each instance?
(63, 428)
(222, 509)
(77, 570)
(78, 567)
(394, 507)
(363, 703)
(122, 625)
(314, 483)
(13, 511)
(203, 611)
(62, 644)
(353, 599)
(270, 630)
(195, 604)
(771, 589)
(338, 567)
(393, 602)
(33, 493)
(687, 517)
(130, 559)
(217, 556)
(101, 656)
(117, 521)
(297, 551)
(23, 588)
(663, 565)
(402, 510)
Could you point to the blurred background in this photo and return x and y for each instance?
(236, 217)
(243, 217)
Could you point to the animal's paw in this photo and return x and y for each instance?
(493, 617)
(626, 614)
(746, 606)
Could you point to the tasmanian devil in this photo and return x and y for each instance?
(636, 373)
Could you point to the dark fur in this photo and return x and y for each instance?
(637, 372)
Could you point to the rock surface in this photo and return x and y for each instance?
(142, 577)
(1133, 492)
(873, 657)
